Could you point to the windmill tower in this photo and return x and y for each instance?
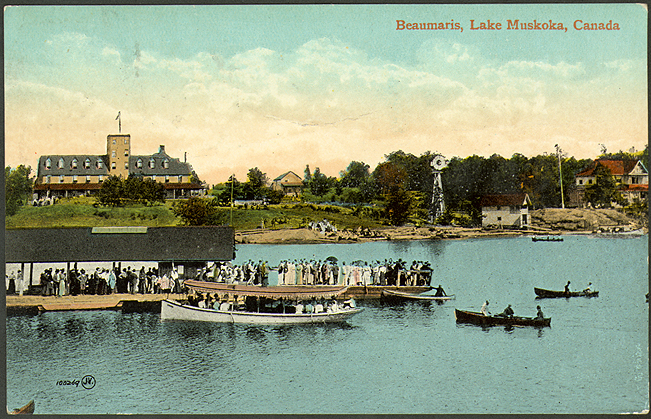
(438, 205)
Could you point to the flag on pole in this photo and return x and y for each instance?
(117, 117)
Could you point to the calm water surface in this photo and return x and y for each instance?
(412, 358)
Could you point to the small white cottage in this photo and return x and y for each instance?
(508, 210)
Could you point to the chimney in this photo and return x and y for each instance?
(161, 149)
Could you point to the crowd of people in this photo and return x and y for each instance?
(102, 281)
(321, 272)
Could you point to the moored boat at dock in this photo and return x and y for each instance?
(543, 293)
(407, 296)
(477, 318)
(254, 304)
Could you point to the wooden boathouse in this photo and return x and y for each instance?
(188, 248)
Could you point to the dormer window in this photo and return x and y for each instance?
(87, 163)
(61, 163)
(166, 164)
(48, 163)
(73, 165)
(99, 163)
(139, 164)
(152, 163)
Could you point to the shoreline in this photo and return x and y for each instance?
(306, 236)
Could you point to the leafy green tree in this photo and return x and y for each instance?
(355, 175)
(111, 193)
(256, 185)
(198, 211)
(231, 187)
(390, 179)
(604, 191)
(151, 192)
(18, 186)
(320, 184)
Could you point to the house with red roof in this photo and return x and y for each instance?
(505, 210)
(631, 176)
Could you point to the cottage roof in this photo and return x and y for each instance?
(616, 167)
(296, 181)
(505, 200)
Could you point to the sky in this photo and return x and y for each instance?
(279, 87)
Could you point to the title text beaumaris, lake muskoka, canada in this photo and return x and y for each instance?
(487, 25)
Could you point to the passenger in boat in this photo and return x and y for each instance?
(567, 287)
(539, 315)
(587, 290)
(508, 312)
(484, 309)
(350, 303)
(440, 292)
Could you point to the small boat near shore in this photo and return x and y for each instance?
(547, 239)
(28, 409)
(479, 319)
(543, 293)
(275, 305)
(407, 296)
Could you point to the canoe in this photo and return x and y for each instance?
(415, 297)
(543, 293)
(480, 319)
(547, 239)
(172, 310)
(28, 409)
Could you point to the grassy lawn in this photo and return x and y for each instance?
(79, 212)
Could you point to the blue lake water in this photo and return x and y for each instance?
(411, 358)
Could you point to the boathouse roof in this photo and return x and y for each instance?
(107, 244)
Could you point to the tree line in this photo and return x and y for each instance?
(400, 187)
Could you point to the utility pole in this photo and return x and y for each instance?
(232, 183)
(560, 174)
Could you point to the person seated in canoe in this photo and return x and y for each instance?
(484, 309)
(567, 287)
(587, 290)
(539, 315)
(508, 312)
(440, 292)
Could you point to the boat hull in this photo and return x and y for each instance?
(479, 319)
(171, 310)
(399, 295)
(543, 293)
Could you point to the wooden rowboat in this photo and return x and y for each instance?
(543, 293)
(28, 409)
(393, 294)
(547, 239)
(479, 319)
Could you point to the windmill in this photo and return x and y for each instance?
(438, 205)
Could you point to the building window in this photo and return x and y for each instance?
(48, 179)
(139, 164)
(153, 177)
(589, 181)
(74, 178)
(61, 163)
(113, 153)
(499, 218)
(74, 163)
(100, 178)
(113, 166)
(87, 178)
(166, 164)
(126, 153)
(580, 181)
(152, 163)
(181, 179)
(499, 208)
(114, 141)
(126, 165)
(167, 178)
(99, 163)
(126, 141)
(48, 163)
(87, 163)
(60, 178)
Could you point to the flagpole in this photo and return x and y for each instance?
(119, 123)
